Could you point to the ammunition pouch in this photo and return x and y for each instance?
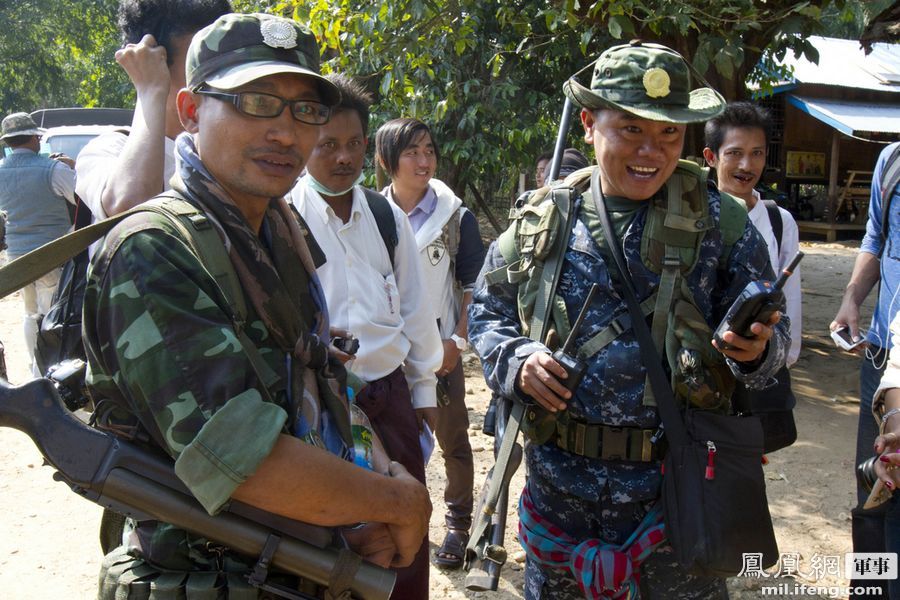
(606, 442)
(709, 384)
(538, 424)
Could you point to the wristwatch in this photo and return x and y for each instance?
(461, 342)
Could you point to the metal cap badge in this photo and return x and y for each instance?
(650, 81)
(239, 48)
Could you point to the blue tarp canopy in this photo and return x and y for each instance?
(865, 120)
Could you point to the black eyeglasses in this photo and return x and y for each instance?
(267, 106)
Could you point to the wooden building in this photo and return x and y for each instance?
(832, 120)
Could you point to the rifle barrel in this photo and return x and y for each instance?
(564, 122)
(248, 538)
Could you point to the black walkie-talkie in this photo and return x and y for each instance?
(574, 366)
(757, 303)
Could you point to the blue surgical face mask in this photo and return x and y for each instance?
(324, 190)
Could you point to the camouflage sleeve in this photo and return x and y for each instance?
(159, 342)
(495, 332)
(749, 261)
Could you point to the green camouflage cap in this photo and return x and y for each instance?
(19, 123)
(649, 81)
(239, 48)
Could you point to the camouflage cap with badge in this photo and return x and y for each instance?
(19, 124)
(646, 80)
(239, 48)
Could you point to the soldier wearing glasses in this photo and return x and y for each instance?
(170, 365)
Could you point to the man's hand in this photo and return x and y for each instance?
(540, 377)
(848, 316)
(336, 352)
(428, 415)
(451, 356)
(64, 159)
(412, 526)
(145, 64)
(373, 542)
(747, 350)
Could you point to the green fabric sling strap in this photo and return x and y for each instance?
(193, 228)
(550, 278)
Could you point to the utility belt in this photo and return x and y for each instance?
(607, 442)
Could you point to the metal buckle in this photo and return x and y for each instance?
(671, 261)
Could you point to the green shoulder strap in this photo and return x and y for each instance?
(543, 304)
(674, 231)
(32, 266)
(195, 229)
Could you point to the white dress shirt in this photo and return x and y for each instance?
(383, 305)
(790, 243)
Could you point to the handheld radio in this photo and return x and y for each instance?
(574, 366)
(756, 304)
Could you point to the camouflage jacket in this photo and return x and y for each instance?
(160, 345)
(612, 390)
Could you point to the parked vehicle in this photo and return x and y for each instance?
(68, 130)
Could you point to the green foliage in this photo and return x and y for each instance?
(727, 39)
(485, 75)
(59, 53)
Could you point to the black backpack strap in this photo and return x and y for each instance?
(384, 218)
(890, 177)
(775, 220)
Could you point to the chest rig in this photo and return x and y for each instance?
(677, 222)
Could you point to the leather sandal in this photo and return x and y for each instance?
(452, 551)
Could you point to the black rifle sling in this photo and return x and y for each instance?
(776, 222)
(662, 391)
(384, 219)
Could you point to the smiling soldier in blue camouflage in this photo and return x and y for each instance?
(594, 468)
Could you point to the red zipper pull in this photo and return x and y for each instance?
(710, 460)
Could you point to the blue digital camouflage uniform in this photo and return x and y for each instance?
(593, 497)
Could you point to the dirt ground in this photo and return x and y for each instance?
(48, 535)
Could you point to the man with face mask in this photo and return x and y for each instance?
(373, 285)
